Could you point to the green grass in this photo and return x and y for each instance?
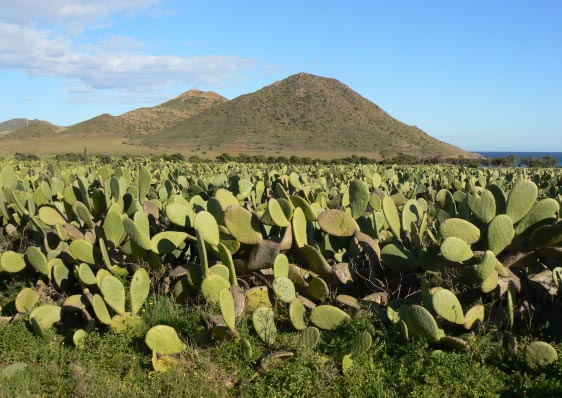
(113, 365)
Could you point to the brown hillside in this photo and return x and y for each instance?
(149, 120)
(302, 113)
(36, 128)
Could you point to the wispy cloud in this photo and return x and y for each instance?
(75, 15)
(37, 37)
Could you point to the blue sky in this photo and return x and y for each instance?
(483, 75)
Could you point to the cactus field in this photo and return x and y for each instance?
(339, 267)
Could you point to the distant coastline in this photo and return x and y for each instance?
(520, 155)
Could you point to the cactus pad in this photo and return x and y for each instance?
(162, 339)
(113, 293)
(456, 250)
(26, 300)
(11, 262)
(500, 233)
(263, 320)
(461, 229)
(337, 223)
(139, 289)
(521, 199)
(284, 289)
(539, 354)
(328, 317)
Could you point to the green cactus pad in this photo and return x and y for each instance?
(163, 339)
(310, 337)
(79, 338)
(143, 183)
(490, 283)
(60, 272)
(275, 215)
(220, 270)
(337, 223)
(396, 257)
(296, 314)
(83, 214)
(485, 267)
(346, 364)
(113, 228)
(242, 225)
(51, 216)
(316, 261)
(179, 214)
(543, 211)
(139, 289)
(456, 250)
(86, 275)
(420, 322)
(391, 215)
(226, 302)
(226, 258)
(44, 316)
(26, 300)
(83, 251)
(102, 273)
(328, 317)
(392, 310)
(361, 344)
(207, 226)
(299, 228)
(447, 306)
(318, 289)
(137, 235)
(539, 354)
(474, 314)
(257, 297)
(37, 260)
(284, 289)
(113, 293)
(460, 228)
(128, 322)
(212, 286)
(304, 205)
(500, 233)
(411, 213)
(482, 204)
(263, 320)
(281, 266)
(100, 310)
(167, 241)
(358, 198)
(521, 199)
(11, 262)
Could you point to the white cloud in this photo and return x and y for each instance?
(75, 15)
(47, 39)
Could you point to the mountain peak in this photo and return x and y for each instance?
(194, 93)
(302, 113)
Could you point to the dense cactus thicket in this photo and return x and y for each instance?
(443, 253)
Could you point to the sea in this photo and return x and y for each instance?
(557, 155)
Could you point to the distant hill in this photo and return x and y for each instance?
(303, 115)
(13, 124)
(149, 120)
(302, 112)
(36, 128)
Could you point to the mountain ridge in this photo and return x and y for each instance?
(302, 113)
